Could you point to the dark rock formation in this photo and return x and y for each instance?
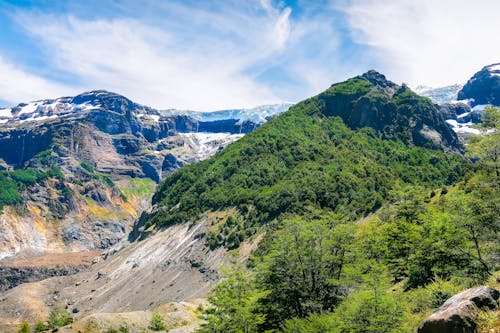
(459, 313)
(370, 100)
(483, 87)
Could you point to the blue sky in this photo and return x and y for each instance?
(208, 55)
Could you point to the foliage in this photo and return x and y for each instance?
(234, 305)
(370, 310)
(299, 160)
(304, 267)
(9, 195)
(24, 328)
(157, 323)
(40, 327)
(486, 147)
(87, 167)
(58, 318)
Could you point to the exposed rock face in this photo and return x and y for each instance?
(16, 272)
(373, 101)
(459, 313)
(483, 87)
(100, 141)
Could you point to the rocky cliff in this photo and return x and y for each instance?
(81, 169)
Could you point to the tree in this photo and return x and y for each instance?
(235, 302)
(58, 318)
(486, 147)
(371, 309)
(303, 269)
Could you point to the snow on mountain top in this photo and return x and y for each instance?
(493, 67)
(257, 115)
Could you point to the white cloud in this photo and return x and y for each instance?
(17, 85)
(165, 66)
(427, 41)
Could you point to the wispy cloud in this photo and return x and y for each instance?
(16, 85)
(198, 64)
(427, 41)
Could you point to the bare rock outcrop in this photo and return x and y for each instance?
(459, 314)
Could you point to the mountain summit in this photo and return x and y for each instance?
(373, 101)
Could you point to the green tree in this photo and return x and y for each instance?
(304, 267)
(235, 302)
(371, 309)
(486, 147)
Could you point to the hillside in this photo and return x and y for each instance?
(356, 199)
(343, 150)
(365, 202)
(76, 172)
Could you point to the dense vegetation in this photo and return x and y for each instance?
(306, 159)
(366, 229)
(316, 271)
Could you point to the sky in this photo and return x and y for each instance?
(219, 54)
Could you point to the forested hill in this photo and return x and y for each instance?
(344, 150)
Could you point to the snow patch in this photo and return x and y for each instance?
(463, 127)
(5, 113)
(30, 108)
(207, 144)
(495, 67)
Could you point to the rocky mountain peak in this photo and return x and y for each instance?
(483, 87)
(370, 100)
(378, 79)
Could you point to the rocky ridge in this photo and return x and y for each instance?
(101, 155)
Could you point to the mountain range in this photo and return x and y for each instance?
(134, 211)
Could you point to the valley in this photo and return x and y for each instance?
(292, 218)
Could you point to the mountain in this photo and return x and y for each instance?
(343, 151)
(77, 171)
(355, 210)
(306, 156)
(483, 87)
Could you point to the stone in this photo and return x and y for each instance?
(459, 313)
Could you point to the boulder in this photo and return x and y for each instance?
(459, 313)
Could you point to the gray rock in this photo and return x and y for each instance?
(459, 313)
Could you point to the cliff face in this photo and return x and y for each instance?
(96, 158)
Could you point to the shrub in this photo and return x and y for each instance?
(58, 318)
(40, 327)
(157, 323)
(87, 167)
(24, 328)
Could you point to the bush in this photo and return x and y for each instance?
(59, 318)
(40, 327)
(24, 328)
(157, 323)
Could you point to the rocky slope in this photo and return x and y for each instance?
(78, 171)
(343, 152)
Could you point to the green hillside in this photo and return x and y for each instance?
(371, 216)
(308, 157)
